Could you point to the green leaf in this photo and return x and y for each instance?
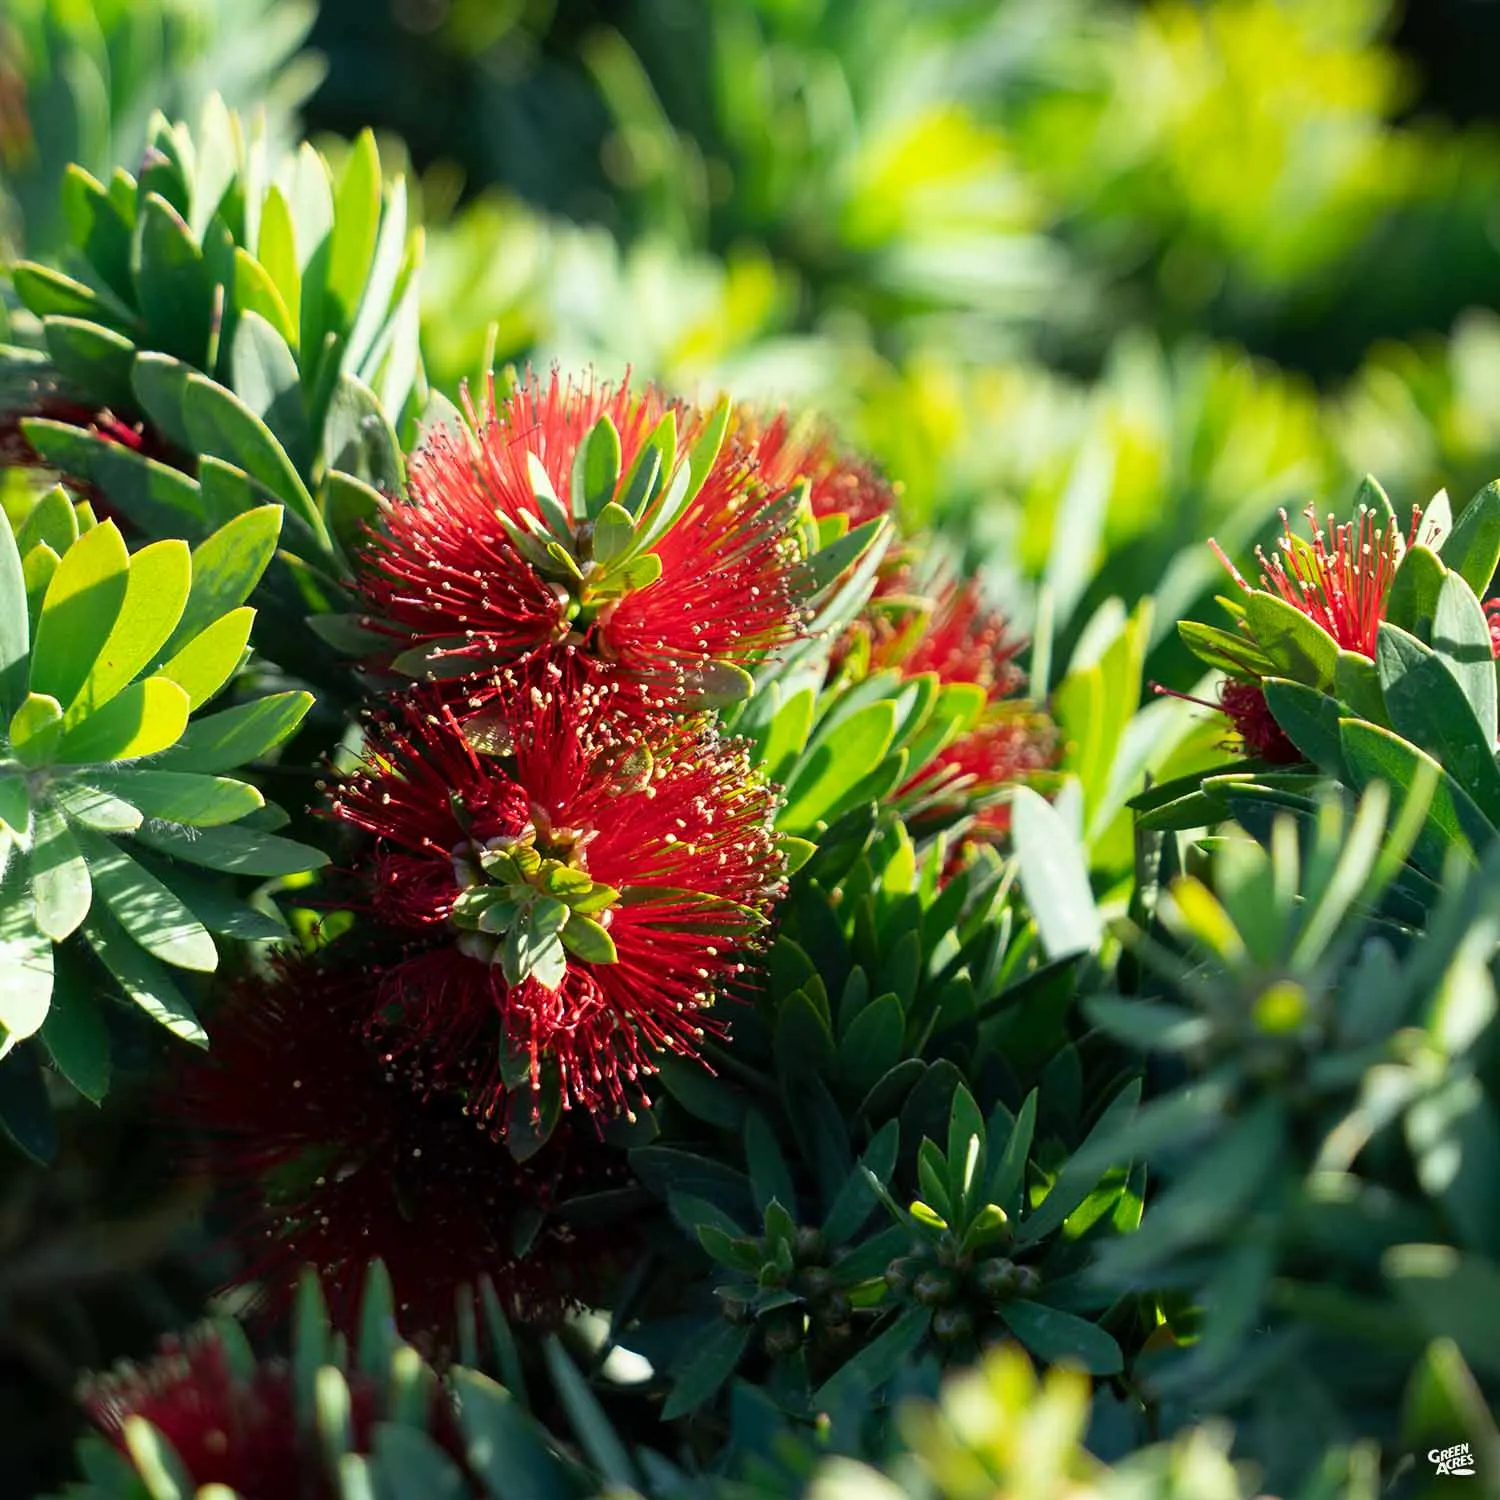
(210, 902)
(144, 719)
(26, 962)
(237, 851)
(267, 380)
(827, 565)
(877, 1362)
(276, 251)
(80, 609)
(36, 729)
(830, 769)
(1428, 706)
(1054, 877)
(1453, 820)
(92, 359)
(97, 228)
(1079, 1177)
(15, 808)
(1061, 1338)
(1235, 654)
(1473, 547)
(1461, 636)
(596, 470)
(43, 290)
(713, 684)
(717, 1355)
(255, 291)
(95, 809)
(1309, 719)
(143, 979)
(181, 796)
(209, 660)
(601, 1444)
(356, 222)
(51, 520)
(221, 424)
(155, 593)
(226, 568)
(173, 288)
(1302, 650)
(25, 1111)
(1454, 1296)
(614, 534)
(1007, 1184)
(147, 910)
(15, 626)
(705, 450)
(160, 383)
(857, 1198)
(503, 1447)
(148, 494)
(77, 1040)
(60, 888)
(872, 1045)
(1412, 602)
(653, 462)
(237, 736)
(586, 939)
(37, 569)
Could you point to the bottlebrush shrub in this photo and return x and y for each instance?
(111, 792)
(661, 778)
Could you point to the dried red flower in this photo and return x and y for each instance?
(786, 453)
(583, 886)
(330, 1157)
(487, 567)
(229, 1429)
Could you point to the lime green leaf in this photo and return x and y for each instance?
(254, 291)
(44, 291)
(714, 684)
(147, 910)
(60, 887)
(826, 566)
(652, 464)
(596, 470)
(26, 962)
(38, 568)
(1473, 548)
(1461, 636)
(143, 979)
(276, 250)
(796, 852)
(35, 729)
(93, 359)
(80, 609)
(705, 450)
(380, 284)
(15, 627)
(181, 796)
(222, 425)
(97, 228)
(226, 568)
(149, 494)
(237, 736)
(1231, 653)
(356, 220)
(156, 590)
(91, 808)
(238, 851)
(614, 534)
(51, 520)
(77, 1040)
(208, 661)
(145, 719)
(586, 939)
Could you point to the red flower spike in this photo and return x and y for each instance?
(239, 1432)
(328, 1157)
(541, 528)
(584, 889)
(785, 454)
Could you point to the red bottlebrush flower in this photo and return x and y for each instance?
(329, 1157)
(786, 454)
(565, 519)
(584, 888)
(236, 1430)
(1341, 580)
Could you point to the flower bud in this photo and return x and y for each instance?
(934, 1288)
(950, 1324)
